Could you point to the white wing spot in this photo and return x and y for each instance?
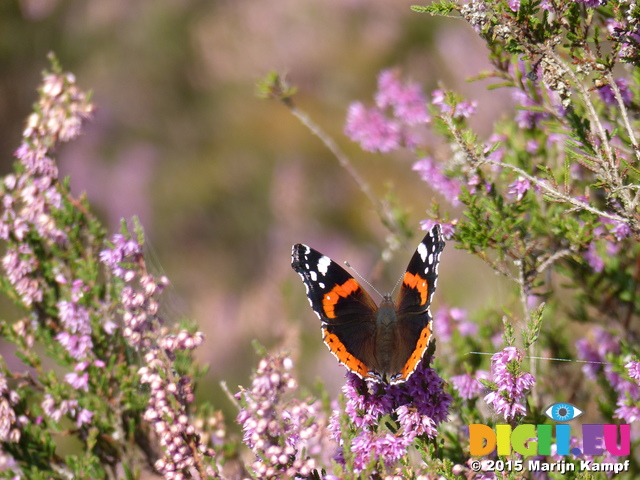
(430, 262)
(422, 251)
(323, 264)
(313, 275)
(321, 284)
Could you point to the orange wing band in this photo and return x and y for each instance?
(419, 283)
(416, 356)
(330, 299)
(340, 351)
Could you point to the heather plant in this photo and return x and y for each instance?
(548, 200)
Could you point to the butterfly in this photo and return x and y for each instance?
(384, 342)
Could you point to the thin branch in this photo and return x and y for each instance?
(559, 196)
(345, 163)
(556, 256)
(587, 100)
(623, 111)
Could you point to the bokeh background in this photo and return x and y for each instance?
(223, 182)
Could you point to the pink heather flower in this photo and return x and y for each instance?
(371, 129)
(74, 317)
(514, 5)
(546, 5)
(525, 116)
(511, 383)
(77, 345)
(138, 298)
(628, 410)
(532, 146)
(166, 413)
(84, 417)
(593, 258)
(448, 229)
(621, 230)
(462, 109)
(9, 422)
(56, 412)
(413, 424)
(468, 385)
(277, 427)
(408, 102)
(497, 155)
(519, 188)
(76, 336)
(608, 97)
(432, 173)
(78, 381)
(465, 109)
(592, 3)
(446, 321)
(21, 267)
(633, 370)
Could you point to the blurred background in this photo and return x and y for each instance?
(223, 182)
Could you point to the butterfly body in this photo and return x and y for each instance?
(384, 342)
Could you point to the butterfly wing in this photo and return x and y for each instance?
(414, 299)
(347, 311)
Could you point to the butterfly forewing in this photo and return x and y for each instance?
(347, 311)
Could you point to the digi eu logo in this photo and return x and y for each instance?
(529, 440)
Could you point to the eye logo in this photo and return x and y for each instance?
(562, 412)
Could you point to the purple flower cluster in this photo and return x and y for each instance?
(30, 201)
(140, 316)
(433, 174)
(468, 385)
(608, 96)
(374, 129)
(606, 236)
(279, 429)
(21, 266)
(595, 349)
(58, 117)
(463, 109)
(627, 34)
(448, 228)
(76, 323)
(527, 116)
(167, 413)
(633, 370)
(519, 188)
(169, 393)
(417, 406)
(449, 320)
(66, 407)
(10, 424)
(511, 384)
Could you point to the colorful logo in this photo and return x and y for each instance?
(529, 440)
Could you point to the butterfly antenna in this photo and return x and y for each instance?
(363, 279)
(396, 285)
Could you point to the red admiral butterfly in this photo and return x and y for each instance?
(382, 342)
